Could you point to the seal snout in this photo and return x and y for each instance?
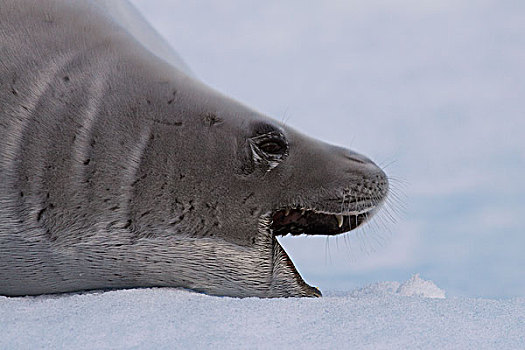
(374, 181)
(345, 189)
(356, 162)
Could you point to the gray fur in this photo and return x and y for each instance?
(119, 169)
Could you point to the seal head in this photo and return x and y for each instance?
(120, 170)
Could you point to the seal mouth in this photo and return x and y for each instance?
(309, 221)
(297, 221)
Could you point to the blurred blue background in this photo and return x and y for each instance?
(432, 90)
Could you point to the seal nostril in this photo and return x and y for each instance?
(356, 159)
(351, 155)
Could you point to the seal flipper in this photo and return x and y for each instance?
(286, 280)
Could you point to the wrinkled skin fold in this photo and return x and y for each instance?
(119, 169)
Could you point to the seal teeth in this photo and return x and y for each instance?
(339, 220)
(303, 210)
(287, 212)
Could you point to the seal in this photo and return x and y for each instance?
(119, 169)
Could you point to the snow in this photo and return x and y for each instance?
(419, 287)
(380, 316)
(415, 286)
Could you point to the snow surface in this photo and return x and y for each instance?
(379, 316)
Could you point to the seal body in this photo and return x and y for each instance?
(119, 169)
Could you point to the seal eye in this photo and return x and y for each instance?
(269, 147)
(273, 146)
